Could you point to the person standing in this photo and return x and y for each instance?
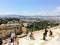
(45, 34)
(12, 36)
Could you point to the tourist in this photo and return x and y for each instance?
(12, 36)
(0, 41)
(31, 36)
(45, 34)
(50, 33)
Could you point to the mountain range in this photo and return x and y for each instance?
(22, 16)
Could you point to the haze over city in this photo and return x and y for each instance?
(30, 7)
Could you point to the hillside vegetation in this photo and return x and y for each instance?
(35, 26)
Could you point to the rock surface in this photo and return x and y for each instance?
(38, 38)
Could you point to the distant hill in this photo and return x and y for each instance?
(27, 17)
(22, 17)
(9, 16)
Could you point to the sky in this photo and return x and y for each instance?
(30, 7)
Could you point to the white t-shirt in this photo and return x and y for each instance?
(12, 35)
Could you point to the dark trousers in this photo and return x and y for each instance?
(44, 36)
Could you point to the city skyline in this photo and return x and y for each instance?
(30, 7)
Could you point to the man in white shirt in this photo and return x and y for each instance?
(12, 36)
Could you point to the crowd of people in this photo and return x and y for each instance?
(44, 34)
(11, 39)
(14, 39)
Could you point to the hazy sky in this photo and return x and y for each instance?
(30, 7)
